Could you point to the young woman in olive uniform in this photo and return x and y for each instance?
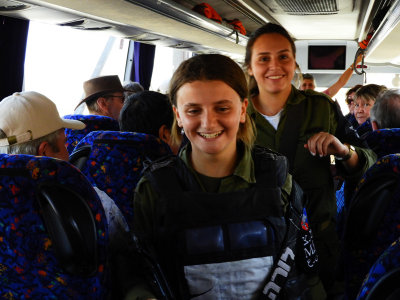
(271, 62)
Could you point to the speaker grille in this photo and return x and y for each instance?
(308, 7)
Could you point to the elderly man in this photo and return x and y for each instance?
(30, 124)
(104, 96)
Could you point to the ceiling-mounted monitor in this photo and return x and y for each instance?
(326, 57)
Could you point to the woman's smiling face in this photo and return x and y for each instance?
(210, 112)
(272, 63)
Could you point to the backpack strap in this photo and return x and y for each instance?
(291, 131)
(298, 240)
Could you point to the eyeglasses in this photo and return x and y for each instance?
(115, 96)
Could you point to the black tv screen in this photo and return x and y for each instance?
(326, 57)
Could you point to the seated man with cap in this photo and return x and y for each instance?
(104, 96)
(30, 124)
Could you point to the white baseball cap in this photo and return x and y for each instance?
(28, 116)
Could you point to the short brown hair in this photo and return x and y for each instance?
(212, 67)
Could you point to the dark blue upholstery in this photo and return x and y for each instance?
(93, 123)
(384, 141)
(29, 267)
(115, 163)
(382, 279)
(372, 221)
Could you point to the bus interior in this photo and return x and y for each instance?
(175, 27)
(53, 46)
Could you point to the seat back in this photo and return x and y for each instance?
(93, 123)
(384, 141)
(115, 163)
(383, 279)
(53, 232)
(372, 221)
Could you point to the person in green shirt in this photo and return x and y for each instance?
(308, 141)
(215, 217)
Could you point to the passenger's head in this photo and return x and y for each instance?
(30, 124)
(350, 97)
(270, 59)
(386, 111)
(148, 112)
(208, 94)
(308, 82)
(104, 96)
(365, 98)
(131, 87)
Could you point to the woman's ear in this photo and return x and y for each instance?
(250, 71)
(245, 103)
(177, 117)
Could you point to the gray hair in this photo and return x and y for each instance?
(132, 87)
(386, 110)
(31, 147)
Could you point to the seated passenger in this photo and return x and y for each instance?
(385, 121)
(30, 124)
(132, 87)
(104, 96)
(205, 212)
(381, 182)
(364, 100)
(350, 103)
(148, 112)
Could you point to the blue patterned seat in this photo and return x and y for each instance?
(373, 219)
(384, 141)
(93, 123)
(383, 279)
(32, 263)
(115, 163)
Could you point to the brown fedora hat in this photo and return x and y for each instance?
(98, 86)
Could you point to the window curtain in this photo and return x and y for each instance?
(13, 38)
(143, 63)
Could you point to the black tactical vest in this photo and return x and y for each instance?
(197, 228)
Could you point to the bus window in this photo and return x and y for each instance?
(59, 59)
(166, 61)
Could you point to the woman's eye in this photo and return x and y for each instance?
(264, 58)
(223, 109)
(193, 111)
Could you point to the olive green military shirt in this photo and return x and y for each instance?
(312, 173)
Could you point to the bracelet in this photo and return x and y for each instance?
(348, 155)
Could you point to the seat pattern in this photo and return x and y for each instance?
(115, 163)
(389, 260)
(28, 266)
(359, 260)
(384, 141)
(93, 123)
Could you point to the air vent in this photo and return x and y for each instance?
(73, 23)
(311, 7)
(86, 24)
(181, 46)
(8, 5)
(93, 28)
(145, 37)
